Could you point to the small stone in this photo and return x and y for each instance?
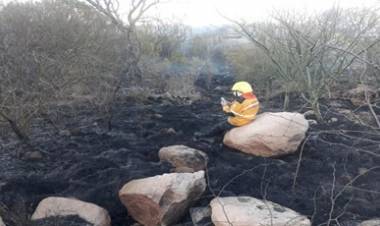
(309, 114)
(312, 122)
(33, 156)
(201, 216)
(158, 116)
(65, 133)
(183, 158)
(332, 120)
(169, 131)
(58, 206)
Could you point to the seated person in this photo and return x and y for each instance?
(243, 111)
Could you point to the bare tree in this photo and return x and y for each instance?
(40, 67)
(304, 51)
(162, 39)
(132, 54)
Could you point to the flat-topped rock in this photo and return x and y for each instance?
(248, 211)
(58, 206)
(183, 158)
(269, 135)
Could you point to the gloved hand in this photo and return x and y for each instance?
(224, 102)
(226, 108)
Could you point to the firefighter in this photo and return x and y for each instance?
(244, 110)
(241, 111)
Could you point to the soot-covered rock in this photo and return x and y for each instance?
(61, 221)
(244, 210)
(374, 222)
(201, 216)
(270, 135)
(164, 199)
(57, 206)
(183, 158)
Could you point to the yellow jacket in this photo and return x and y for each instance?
(244, 112)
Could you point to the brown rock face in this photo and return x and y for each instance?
(271, 134)
(56, 206)
(248, 211)
(162, 200)
(183, 158)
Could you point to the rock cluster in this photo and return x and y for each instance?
(165, 199)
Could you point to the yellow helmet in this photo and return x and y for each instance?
(241, 87)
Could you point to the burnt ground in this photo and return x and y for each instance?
(92, 164)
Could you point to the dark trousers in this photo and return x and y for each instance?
(218, 130)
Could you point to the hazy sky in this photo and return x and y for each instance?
(205, 12)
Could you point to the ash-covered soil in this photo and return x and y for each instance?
(337, 177)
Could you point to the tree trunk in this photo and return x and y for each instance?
(286, 100)
(268, 90)
(18, 132)
(317, 110)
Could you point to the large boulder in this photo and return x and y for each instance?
(373, 222)
(244, 211)
(164, 199)
(57, 206)
(183, 158)
(271, 134)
